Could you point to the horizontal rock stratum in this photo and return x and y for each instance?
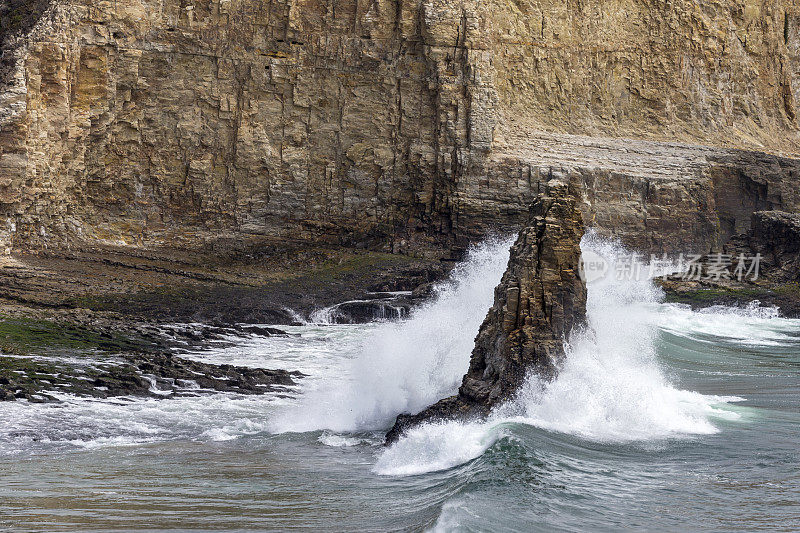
(391, 124)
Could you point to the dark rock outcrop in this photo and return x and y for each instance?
(539, 300)
(17, 17)
(158, 375)
(776, 236)
(88, 355)
(366, 311)
(772, 281)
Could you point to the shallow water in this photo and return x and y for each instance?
(661, 419)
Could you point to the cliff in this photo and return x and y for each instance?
(538, 302)
(775, 236)
(394, 125)
(760, 266)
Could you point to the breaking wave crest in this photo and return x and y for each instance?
(610, 389)
(405, 366)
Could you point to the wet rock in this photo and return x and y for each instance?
(101, 357)
(423, 292)
(407, 279)
(264, 331)
(373, 307)
(369, 311)
(539, 300)
(169, 372)
(147, 375)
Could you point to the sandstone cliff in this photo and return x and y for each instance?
(392, 124)
(539, 300)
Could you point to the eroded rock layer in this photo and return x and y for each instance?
(538, 302)
(758, 268)
(391, 124)
(775, 237)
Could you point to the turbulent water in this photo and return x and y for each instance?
(662, 418)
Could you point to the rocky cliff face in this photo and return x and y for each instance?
(775, 236)
(761, 265)
(392, 123)
(539, 300)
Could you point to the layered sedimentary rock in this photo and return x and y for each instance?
(539, 300)
(775, 237)
(391, 123)
(761, 266)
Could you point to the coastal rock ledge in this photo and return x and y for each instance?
(539, 300)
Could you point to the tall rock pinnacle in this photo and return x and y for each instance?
(539, 300)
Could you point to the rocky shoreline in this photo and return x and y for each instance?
(40, 380)
(774, 238)
(42, 359)
(107, 322)
(260, 284)
(704, 294)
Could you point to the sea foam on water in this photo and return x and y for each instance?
(610, 388)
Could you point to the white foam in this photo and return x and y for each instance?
(317, 351)
(406, 366)
(448, 520)
(610, 389)
(344, 441)
(436, 446)
(92, 423)
(297, 317)
(752, 325)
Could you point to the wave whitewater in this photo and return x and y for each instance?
(406, 366)
(611, 388)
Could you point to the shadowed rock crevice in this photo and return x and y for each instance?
(539, 300)
(17, 17)
(759, 266)
(776, 236)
